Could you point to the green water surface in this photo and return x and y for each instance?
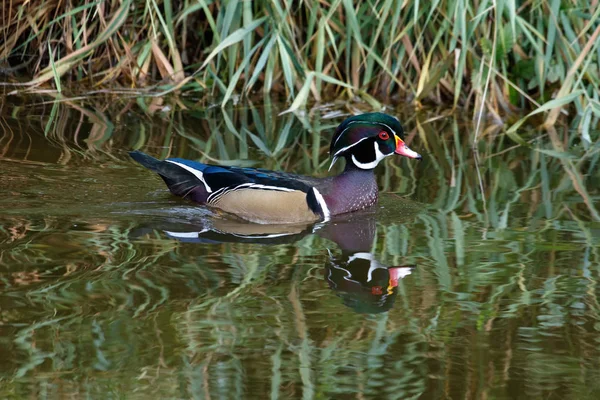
(112, 288)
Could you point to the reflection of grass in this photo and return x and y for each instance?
(504, 295)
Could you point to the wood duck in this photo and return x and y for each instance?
(272, 197)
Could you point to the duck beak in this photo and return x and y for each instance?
(397, 273)
(403, 150)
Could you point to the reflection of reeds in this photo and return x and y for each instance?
(499, 285)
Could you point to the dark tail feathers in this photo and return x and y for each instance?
(147, 161)
(179, 181)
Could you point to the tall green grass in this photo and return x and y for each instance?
(493, 57)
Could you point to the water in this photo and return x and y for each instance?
(108, 290)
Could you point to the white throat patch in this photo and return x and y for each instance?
(378, 157)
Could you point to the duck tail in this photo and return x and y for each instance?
(181, 182)
(147, 161)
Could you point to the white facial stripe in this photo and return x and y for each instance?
(332, 162)
(321, 201)
(391, 130)
(198, 174)
(360, 165)
(342, 134)
(337, 153)
(378, 157)
(354, 122)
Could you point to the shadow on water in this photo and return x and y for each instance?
(471, 278)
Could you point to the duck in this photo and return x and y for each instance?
(274, 197)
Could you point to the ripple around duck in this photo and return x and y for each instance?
(110, 285)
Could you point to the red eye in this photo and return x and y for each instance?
(383, 135)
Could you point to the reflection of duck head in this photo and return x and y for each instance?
(363, 283)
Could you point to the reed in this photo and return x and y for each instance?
(493, 58)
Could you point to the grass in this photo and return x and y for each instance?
(491, 57)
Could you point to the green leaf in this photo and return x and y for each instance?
(235, 78)
(286, 64)
(302, 95)
(258, 142)
(558, 154)
(260, 64)
(54, 72)
(283, 135)
(235, 37)
(512, 133)
(558, 102)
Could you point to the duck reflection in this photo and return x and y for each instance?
(358, 278)
(216, 230)
(362, 282)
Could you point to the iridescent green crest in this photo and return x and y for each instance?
(358, 128)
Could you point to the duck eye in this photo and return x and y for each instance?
(383, 135)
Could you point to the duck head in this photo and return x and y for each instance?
(366, 139)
